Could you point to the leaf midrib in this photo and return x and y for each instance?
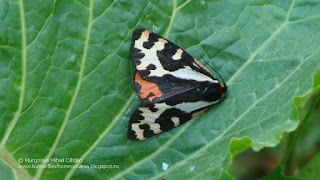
(251, 58)
(104, 133)
(4, 154)
(210, 144)
(73, 100)
(114, 121)
(23, 75)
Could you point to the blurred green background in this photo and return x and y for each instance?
(254, 165)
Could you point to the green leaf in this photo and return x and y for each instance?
(236, 147)
(66, 83)
(6, 172)
(277, 174)
(306, 145)
(311, 170)
(239, 145)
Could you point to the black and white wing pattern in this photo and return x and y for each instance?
(173, 85)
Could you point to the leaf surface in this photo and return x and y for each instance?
(66, 82)
(311, 169)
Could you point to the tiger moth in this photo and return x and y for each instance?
(174, 86)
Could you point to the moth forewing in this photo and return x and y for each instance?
(173, 85)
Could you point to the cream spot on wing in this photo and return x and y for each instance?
(196, 65)
(183, 73)
(152, 58)
(176, 121)
(177, 55)
(151, 117)
(191, 106)
(145, 35)
(155, 127)
(150, 54)
(139, 132)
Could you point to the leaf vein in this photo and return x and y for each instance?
(44, 24)
(138, 164)
(204, 148)
(73, 100)
(104, 133)
(22, 87)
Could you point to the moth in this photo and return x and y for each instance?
(173, 85)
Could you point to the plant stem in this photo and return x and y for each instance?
(300, 128)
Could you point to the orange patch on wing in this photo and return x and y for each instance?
(199, 64)
(147, 87)
(197, 113)
(221, 87)
(163, 40)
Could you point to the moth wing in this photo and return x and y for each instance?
(156, 57)
(172, 83)
(152, 119)
(161, 90)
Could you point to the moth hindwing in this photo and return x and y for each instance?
(173, 85)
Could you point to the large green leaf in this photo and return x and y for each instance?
(311, 170)
(278, 175)
(66, 82)
(6, 172)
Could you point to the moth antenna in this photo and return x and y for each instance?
(224, 83)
